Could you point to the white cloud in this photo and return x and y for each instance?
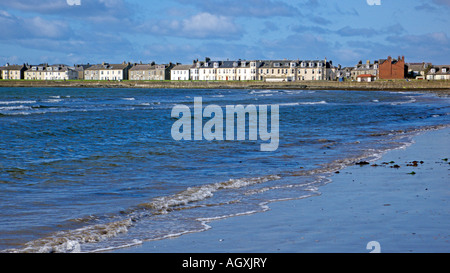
(205, 24)
(198, 26)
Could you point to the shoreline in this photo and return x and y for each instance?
(401, 210)
(441, 87)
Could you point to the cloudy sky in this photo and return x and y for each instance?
(345, 31)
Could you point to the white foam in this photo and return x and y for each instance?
(303, 103)
(194, 194)
(128, 98)
(8, 108)
(18, 102)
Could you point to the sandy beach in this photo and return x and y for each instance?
(400, 204)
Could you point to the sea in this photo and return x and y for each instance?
(98, 169)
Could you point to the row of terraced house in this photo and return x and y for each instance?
(238, 70)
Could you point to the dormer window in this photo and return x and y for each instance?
(433, 70)
(276, 64)
(216, 65)
(303, 64)
(444, 70)
(319, 64)
(293, 64)
(311, 64)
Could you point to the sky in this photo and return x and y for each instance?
(180, 31)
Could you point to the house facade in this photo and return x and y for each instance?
(439, 72)
(140, 72)
(92, 73)
(60, 72)
(316, 70)
(417, 70)
(392, 68)
(114, 72)
(80, 68)
(13, 72)
(181, 73)
(365, 78)
(277, 71)
(364, 69)
(36, 72)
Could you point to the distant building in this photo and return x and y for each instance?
(365, 78)
(80, 68)
(344, 73)
(227, 71)
(60, 72)
(181, 72)
(439, 72)
(36, 72)
(316, 70)
(208, 70)
(13, 72)
(364, 69)
(114, 72)
(107, 72)
(417, 70)
(141, 72)
(277, 70)
(392, 68)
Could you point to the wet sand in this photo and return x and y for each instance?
(403, 208)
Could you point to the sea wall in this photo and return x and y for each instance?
(319, 85)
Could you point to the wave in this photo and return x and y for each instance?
(19, 107)
(303, 103)
(18, 102)
(190, 198)
(53, 100)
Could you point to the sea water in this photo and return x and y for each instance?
(86, 170)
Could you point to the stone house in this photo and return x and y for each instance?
(80, 68)
(364, 69)
(417, 70)
(92, 73)
(277, 70)
(36, 72)
(316, 70)
(13, 72)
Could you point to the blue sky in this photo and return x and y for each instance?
(344, 31)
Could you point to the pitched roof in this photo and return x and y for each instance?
(182, 67)
(12, 67)
(142, 67)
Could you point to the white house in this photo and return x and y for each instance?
(60, 72)
(439, 72)
(113, 72)
(181, 73)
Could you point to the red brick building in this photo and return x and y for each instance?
(392, 68)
